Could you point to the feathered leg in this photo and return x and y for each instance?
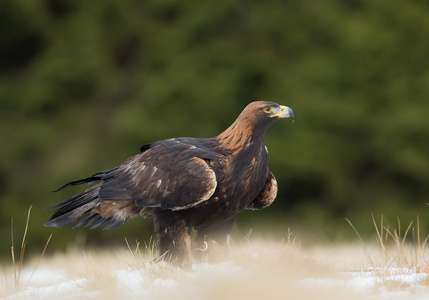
(214, 240)
(174, 241)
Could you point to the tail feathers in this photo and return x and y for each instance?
(93, 212)
(103, 175)
(88, 220)
(74, 207)
(94, 220)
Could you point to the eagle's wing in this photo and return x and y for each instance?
(267, 195)
(172, 174)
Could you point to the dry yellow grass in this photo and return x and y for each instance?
(250, 268)
(249, 271)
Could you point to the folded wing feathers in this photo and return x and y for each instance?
(127, 190)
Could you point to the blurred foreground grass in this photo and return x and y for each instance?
(251, 268)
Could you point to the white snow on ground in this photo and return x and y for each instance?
(132, 283)
(374, 281)
(44, 282)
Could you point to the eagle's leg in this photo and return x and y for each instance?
(175, 242)
(214, 240)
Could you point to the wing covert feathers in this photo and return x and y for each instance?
(169, 175)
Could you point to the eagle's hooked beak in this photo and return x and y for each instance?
(284, 112)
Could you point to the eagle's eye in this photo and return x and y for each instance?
(268, 109)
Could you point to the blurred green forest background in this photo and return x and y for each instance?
(83, 84)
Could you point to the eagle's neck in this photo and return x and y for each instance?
(242, 135)
(244, 145)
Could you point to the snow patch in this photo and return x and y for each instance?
(378, 281)
(154, 279)
(75, 287)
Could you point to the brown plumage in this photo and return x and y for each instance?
(184, 184)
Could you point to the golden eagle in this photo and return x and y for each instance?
(183, 183)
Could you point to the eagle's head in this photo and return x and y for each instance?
(252, 123)
(263, 113)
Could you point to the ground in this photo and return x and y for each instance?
(250, 269)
